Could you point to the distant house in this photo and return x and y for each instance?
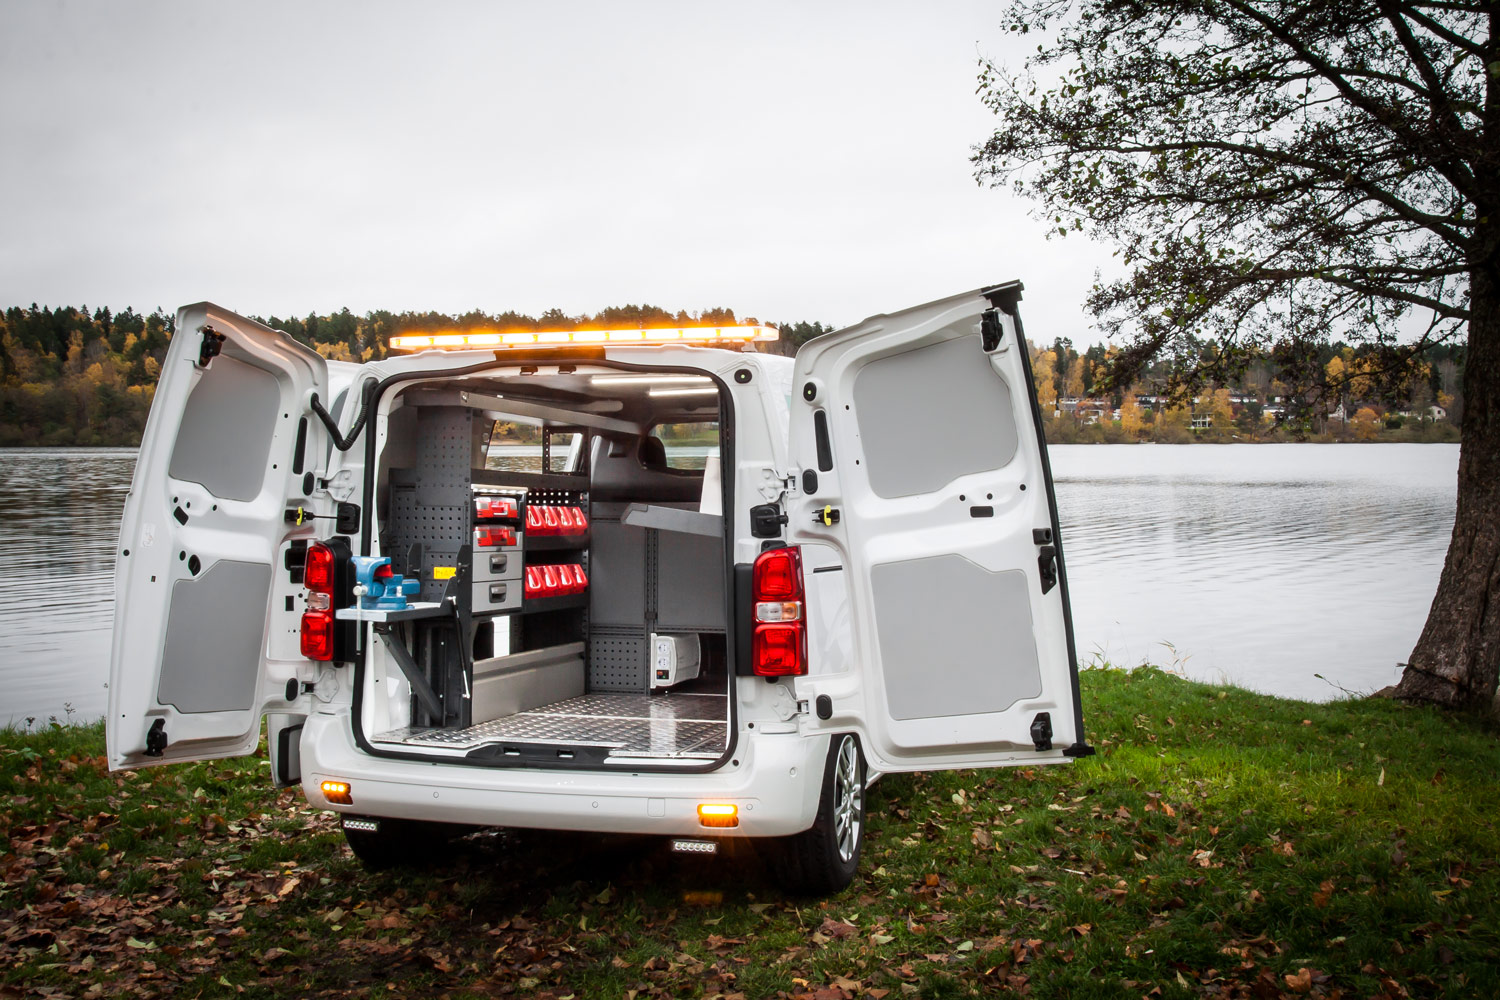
(1201, 422)
(1437, 413)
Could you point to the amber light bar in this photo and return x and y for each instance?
(566, 338)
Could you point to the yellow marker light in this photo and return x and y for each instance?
(337, 791)
(718, 814)
(563, 338)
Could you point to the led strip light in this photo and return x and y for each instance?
(565, 338)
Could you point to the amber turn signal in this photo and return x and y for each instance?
(717, 814)
(337, 791)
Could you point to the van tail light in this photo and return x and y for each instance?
(317, 635)
(317, 621)
(779, 645)
(317, 572)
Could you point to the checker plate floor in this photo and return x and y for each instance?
(636, 725)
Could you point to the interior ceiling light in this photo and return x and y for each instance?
(724, 335)
(710, 391)
(649, 380)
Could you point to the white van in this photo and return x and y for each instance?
(636, 581)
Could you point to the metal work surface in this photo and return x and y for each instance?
(635, 725)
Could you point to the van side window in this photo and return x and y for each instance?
(686, 447)
(514, 447)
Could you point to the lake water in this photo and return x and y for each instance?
(1264, 565)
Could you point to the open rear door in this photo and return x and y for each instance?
(922, 463)
(222, 457)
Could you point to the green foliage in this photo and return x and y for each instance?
(1274, 174)
(71, 377)
(1221, 843)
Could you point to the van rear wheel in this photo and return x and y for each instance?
(824, 858)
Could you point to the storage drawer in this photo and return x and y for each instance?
(496, 595)
(498, 565)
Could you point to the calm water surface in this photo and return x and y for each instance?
(1259, 564)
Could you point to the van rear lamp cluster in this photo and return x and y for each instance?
(555, 581)
(317, 631)
(541, 520)
(778, 646)
(718, 814)
(338, 792)
(584, 338)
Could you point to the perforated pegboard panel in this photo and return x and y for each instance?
(431, 503)
(617, 659)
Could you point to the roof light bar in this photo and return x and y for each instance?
(563, 338)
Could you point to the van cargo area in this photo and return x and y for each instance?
(566, 530)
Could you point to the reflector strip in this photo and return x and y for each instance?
(695, 846)
(674, 335)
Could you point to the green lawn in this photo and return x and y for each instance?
(1222, 844)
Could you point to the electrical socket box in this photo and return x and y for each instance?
(674, 659)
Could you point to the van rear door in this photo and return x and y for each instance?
(918, 440)
(227, 448)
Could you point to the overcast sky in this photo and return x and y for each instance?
(790, 161)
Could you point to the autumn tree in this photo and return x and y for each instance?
(1275, 174)
(1132, 420)
(1044, 373)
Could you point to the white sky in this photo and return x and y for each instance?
(790, 161)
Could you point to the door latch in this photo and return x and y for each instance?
(828, 516)
(156, 738)
(1046, 559)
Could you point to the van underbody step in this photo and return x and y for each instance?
(635, 725)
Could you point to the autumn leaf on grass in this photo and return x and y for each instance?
(1324, 894)
(1301, 982)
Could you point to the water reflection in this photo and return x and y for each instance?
(1262, 564)
(59, 519)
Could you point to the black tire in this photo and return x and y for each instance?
(401, 843)
(823, 859)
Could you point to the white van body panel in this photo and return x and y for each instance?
(237, 649)
(774, 781)
(930, 456)
(200, 537)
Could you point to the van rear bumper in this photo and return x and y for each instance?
(775, 783)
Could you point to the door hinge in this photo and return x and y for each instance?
(213, 343)
(766, 520)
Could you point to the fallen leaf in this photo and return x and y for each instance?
(1323, 895)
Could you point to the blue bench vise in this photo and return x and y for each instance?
(377, 588)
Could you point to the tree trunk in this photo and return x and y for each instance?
(1457, 660)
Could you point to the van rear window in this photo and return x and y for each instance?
(688, 445)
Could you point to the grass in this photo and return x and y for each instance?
(1222, 843)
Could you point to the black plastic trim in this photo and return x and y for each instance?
(820, 436)
(284, 741)
(1008, 297)
(299, 452)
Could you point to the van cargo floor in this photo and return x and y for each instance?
(634, 725)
